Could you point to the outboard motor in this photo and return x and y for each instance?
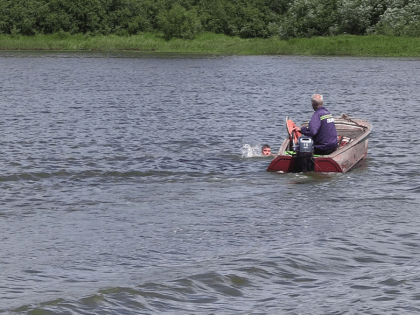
(304, 153)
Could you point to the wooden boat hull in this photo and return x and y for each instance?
(341, 160)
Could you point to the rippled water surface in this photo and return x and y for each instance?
(125, 188)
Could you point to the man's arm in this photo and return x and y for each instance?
(313, 128)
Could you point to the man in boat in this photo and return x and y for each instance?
(321, 128)
(266, 150)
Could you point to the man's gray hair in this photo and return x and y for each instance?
(318, 99)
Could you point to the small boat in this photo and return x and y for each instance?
(296, 155)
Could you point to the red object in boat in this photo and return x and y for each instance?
(290, 125)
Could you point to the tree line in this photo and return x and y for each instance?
(187, 18)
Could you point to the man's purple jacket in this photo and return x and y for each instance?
(322, 130)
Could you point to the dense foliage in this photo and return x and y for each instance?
(187, 18)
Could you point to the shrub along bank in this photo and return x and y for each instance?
(188, 18)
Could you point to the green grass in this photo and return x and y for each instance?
(343, 45)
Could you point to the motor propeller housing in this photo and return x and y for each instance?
(305, 153)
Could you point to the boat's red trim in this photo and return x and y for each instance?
(285, 163)
(282, 163)
(326, 165)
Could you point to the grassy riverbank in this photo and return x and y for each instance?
(343, 45)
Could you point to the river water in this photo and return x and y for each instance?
(127, 188)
